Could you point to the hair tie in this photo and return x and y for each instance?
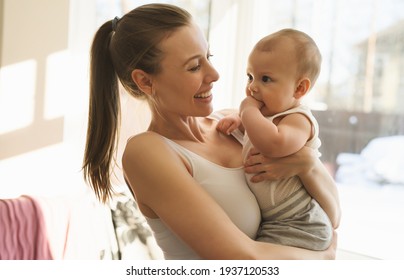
(115, 23)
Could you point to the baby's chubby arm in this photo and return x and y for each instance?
(274, 140)
(229, 123)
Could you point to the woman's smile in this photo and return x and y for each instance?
(203, 95)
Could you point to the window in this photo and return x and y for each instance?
(358, 100)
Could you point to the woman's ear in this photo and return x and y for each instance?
(143, 81)
(303, 87)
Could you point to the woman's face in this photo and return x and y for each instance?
(183, 87)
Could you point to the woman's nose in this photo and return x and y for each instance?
(213, 74)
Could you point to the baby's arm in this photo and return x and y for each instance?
(283, 139)
(229, 123)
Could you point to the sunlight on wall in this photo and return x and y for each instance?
(43, 99)
(17, 92)
(57, 85)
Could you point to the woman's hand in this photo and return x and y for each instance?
(279, 168)
(305, 164)
(331, 252)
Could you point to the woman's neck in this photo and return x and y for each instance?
(177, 128)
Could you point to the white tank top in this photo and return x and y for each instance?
(230, 190)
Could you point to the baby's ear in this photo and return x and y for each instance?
(303, 87)
(143, 81)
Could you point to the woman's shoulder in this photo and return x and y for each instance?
(145, 141)
(144, 137)
(149, 151)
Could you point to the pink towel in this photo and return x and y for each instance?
(23, 230)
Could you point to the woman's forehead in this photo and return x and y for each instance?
(185, 42)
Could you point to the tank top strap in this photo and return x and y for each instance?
(314, 142)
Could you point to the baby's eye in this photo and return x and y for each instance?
(266, 79)
(249, 78)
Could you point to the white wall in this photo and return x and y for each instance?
(44, 54)
(44, 47)
(43, 95)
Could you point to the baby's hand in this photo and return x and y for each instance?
(228, 124)
(250, 101)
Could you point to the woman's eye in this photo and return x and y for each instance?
(196, 68)
(266, 79)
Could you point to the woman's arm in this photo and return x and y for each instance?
(164, 188)
(320, 185)
(311, 171)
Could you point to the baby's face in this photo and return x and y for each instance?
(272, 77)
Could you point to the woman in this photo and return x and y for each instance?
(186, 177)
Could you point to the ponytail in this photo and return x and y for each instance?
(104, 115)
(119, 47)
